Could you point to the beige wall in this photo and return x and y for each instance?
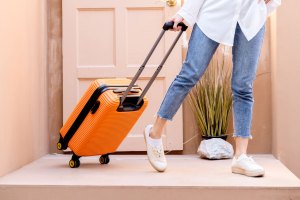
(286, 85)
(23, 126)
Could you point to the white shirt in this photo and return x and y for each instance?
(218, 18)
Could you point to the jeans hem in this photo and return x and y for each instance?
(163, 117)
(243, 136)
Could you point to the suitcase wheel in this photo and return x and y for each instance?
(59, 146)
(74, 163)
(104, 159)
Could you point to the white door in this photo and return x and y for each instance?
(110, 39)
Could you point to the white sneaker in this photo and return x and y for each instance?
(247, 166)
(155, 151)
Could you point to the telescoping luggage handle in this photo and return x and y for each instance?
(166, 27)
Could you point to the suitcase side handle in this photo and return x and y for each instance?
(167, 26)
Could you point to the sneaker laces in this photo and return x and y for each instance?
(250, 158)
(251, 161)
(158, 152)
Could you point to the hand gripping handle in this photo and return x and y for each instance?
(169, 25)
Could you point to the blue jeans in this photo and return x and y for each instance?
(245, 57)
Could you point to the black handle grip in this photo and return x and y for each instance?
(169, 25)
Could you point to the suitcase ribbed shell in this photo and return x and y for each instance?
(102, 132)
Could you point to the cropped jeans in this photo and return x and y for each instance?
(245, 58)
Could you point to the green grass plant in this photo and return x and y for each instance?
(211, 98)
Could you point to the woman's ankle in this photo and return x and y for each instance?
(157, 129)
(154, 135)
(237, 154)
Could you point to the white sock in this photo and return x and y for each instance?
(154, 142)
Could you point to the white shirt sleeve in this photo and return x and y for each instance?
(190, 10)
(272, 5)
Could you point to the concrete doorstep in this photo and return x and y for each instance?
(131, 177)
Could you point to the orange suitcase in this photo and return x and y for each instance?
(107, 111)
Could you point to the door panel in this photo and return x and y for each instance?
(95, 41)
(110, 39)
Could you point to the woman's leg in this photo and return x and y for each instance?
(245, 61)
(200, 52)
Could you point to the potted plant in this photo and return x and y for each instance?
(211, 98)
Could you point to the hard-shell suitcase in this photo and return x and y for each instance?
(107, 111)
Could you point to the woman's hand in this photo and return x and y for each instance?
(266, 1)
(176, 19)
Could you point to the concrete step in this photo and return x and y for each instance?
(131, 177)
